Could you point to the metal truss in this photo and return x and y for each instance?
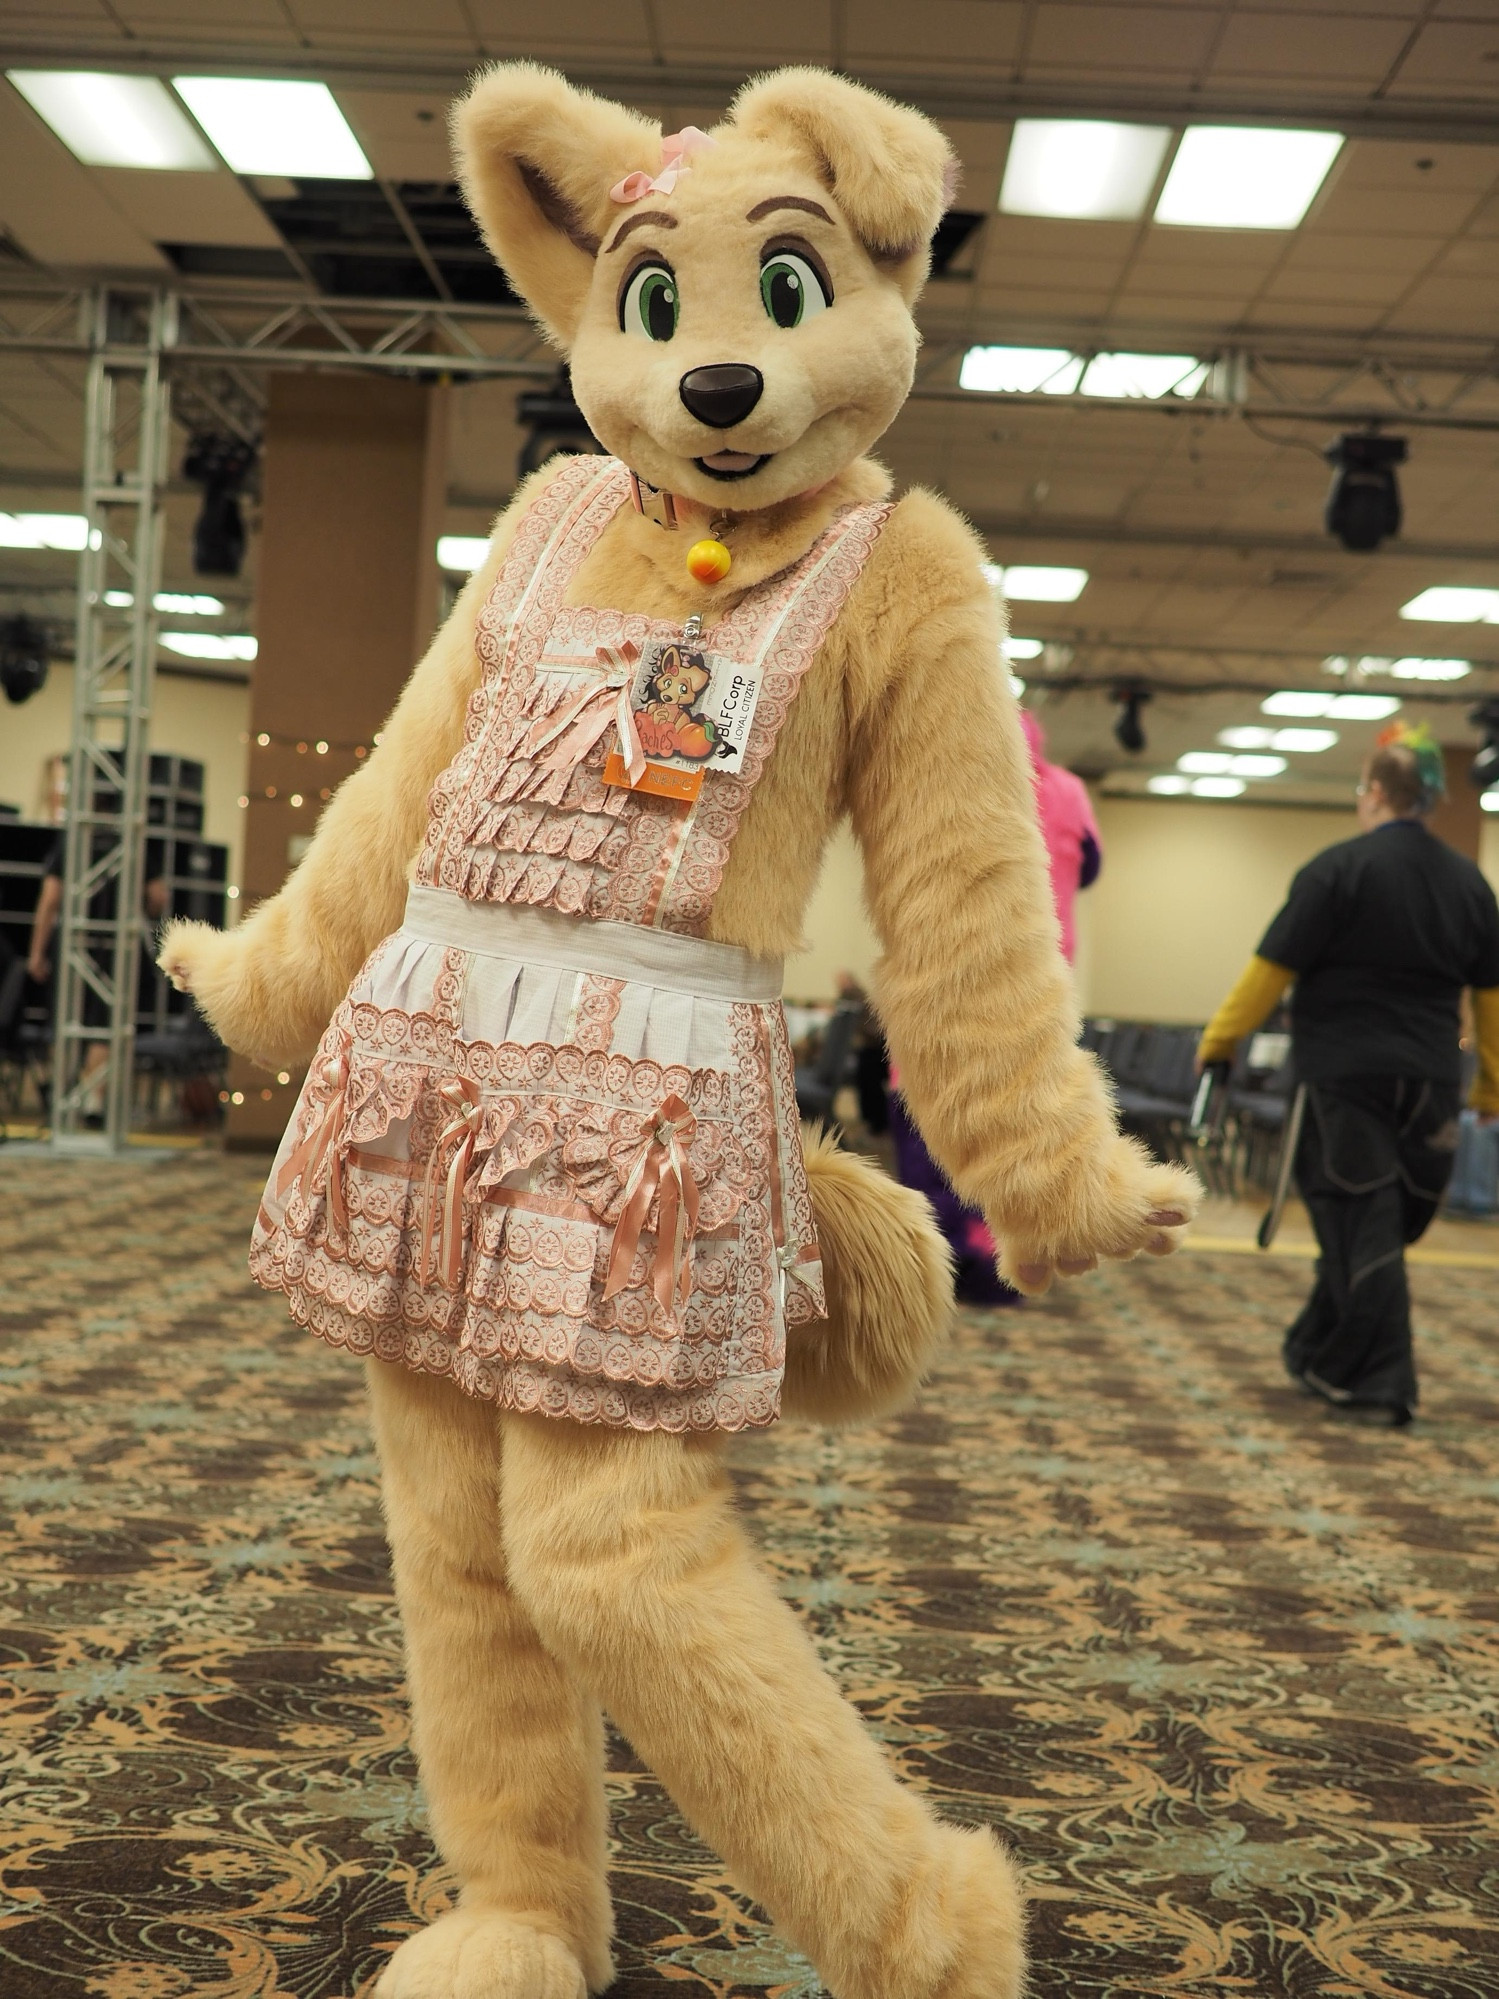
(1280, 379)
(99, 938)
(226, 339)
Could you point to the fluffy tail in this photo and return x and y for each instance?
(889, 1286)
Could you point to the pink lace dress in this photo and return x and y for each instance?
(549, 1146)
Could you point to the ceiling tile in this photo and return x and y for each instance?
(938, 33)
(187, 207)
(404, 133)
(1307, 44)
(53, 207)
(770, 32)
(373, 21)
(1457, 59)
(1160, 41)
(1434, 213)
(579, 25)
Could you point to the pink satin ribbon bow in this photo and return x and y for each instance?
(584, 716)
(307, 1159)
(677, 150)
(660, 1164)
(442, 1221)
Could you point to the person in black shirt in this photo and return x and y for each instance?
(1381, 934)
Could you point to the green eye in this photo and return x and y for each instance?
(650, 304)
(793, 289)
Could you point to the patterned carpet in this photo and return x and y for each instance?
(1224, 1670)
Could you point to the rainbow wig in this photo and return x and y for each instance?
(1431, 768)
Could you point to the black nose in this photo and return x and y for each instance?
(722, 396)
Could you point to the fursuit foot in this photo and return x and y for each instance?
(482, 1954)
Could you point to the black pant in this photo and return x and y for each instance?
(1374, 1158)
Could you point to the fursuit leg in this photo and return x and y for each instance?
(625, 1550)
(510, 1745)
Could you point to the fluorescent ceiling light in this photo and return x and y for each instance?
(1364, 707)
(1245, 177)
(1213, 763)
(1430, 669)
(1021, 371)
(1144, 375)
(1453, 604)
(188, 605)
(461, 552)
(176, 602)
(1257, 766)
(266, 126)
(1290, 702)
(1351, 707)
(1256, 737)
(210, 645)
(1308, 742)
(1167, 786)
(1489, 802)
(1043, 583)
(43, 530)
(114, 121)
(1084, 169)
(1017, 687)
(1024, 648)
(1216, 787)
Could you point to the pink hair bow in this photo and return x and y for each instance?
(677, 151)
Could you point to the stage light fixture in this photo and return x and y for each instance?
(220, 465)
(1129, 731)
(1484, 769)
(1363, 502)
(23, 658)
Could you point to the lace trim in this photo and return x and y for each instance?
(556, 1132)
(503, 828)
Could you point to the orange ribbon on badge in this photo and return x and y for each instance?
(442, 1221)
(661, 1164)
(580, 720)
(307, 1159)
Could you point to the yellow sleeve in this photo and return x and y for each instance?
(1485, 1096)
(1260, 986)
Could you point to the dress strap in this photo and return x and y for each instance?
(554, 537)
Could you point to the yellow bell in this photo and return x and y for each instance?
(708, 561)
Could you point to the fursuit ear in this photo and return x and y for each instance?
(536, 159)
(891, 171)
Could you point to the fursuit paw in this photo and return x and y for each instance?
(1136, 1207)
(482, 1954)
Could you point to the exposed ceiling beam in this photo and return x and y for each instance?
(1206, 406)
(1040, 527)
(1474, 120)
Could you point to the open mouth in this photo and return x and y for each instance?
(732, 464)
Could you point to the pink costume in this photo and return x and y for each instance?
(549, 1143)
(1067, 825)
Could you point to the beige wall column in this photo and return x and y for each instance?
(1459, 818)
(354, 476)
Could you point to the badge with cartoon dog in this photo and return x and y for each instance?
(692, 713)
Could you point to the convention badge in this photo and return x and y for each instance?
(691, 712)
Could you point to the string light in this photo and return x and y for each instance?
(267, 738)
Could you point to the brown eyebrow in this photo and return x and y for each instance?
(787, 201)
(638, 221)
